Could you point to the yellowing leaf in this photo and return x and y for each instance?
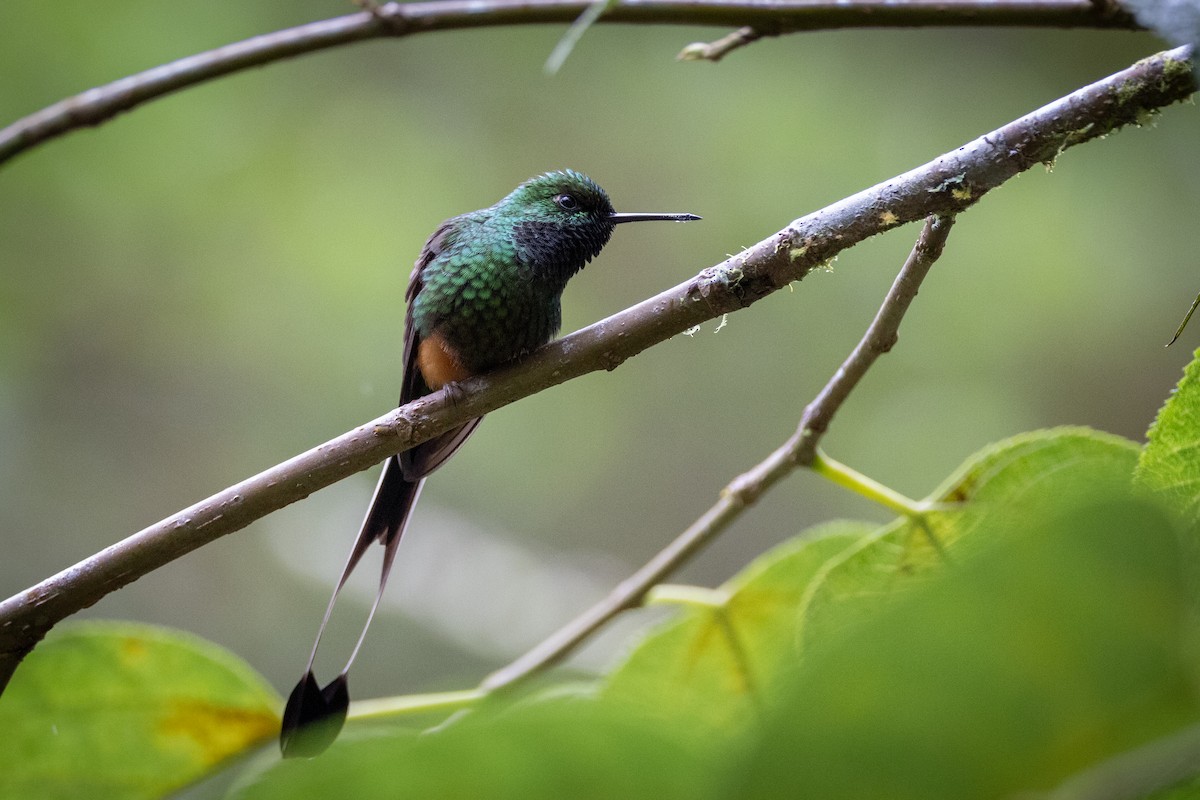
(118, 710)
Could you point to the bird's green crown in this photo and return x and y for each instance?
(564, 196)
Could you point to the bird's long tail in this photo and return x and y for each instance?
(314, 715)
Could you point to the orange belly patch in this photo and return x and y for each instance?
(438, 362)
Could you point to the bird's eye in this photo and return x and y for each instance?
(566, 202)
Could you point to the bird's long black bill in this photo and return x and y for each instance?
(616, 219)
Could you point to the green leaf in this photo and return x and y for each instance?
(1062, 639)
(118, 710)
(713, 665)
(1170, 462)
(1014, 469)
(709, 664)
(1008, 479)
(568, 747)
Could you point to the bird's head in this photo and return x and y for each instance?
(562, 219)
(566, 199)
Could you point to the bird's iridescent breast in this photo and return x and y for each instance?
(484, 299)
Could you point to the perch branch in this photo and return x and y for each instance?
(102, 103)
(944, 187)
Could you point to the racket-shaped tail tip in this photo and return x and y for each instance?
(313, 717)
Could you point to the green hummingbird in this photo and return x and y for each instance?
(486, 289)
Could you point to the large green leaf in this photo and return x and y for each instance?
(116, 710)
(713, 665)
(1170, 462)
(1008, 478)
(1063, 641)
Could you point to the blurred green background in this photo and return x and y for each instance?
(210, 284)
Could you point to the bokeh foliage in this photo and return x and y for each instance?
(212, 283)
(203, 287)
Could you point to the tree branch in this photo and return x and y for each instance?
(101, 104)
(745, 489)
(944, 187)
(880, 338)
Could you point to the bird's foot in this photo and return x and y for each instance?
(455, 393)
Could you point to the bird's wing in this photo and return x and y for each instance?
(428, 456)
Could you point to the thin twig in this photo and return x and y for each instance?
(944, 186)
(1186, 319)
(880, 337)
(626, 595)
(716, 50)
(102, 103)
(745, 489)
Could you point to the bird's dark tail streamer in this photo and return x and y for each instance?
(314, 715)
(448, 336)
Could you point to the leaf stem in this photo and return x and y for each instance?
(411, 705)
(683, 595)
(871, 489)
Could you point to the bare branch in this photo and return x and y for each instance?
(944, 187)
(880, 337)
(745, 489)
(101, 104)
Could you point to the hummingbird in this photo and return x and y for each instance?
(486, 289)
